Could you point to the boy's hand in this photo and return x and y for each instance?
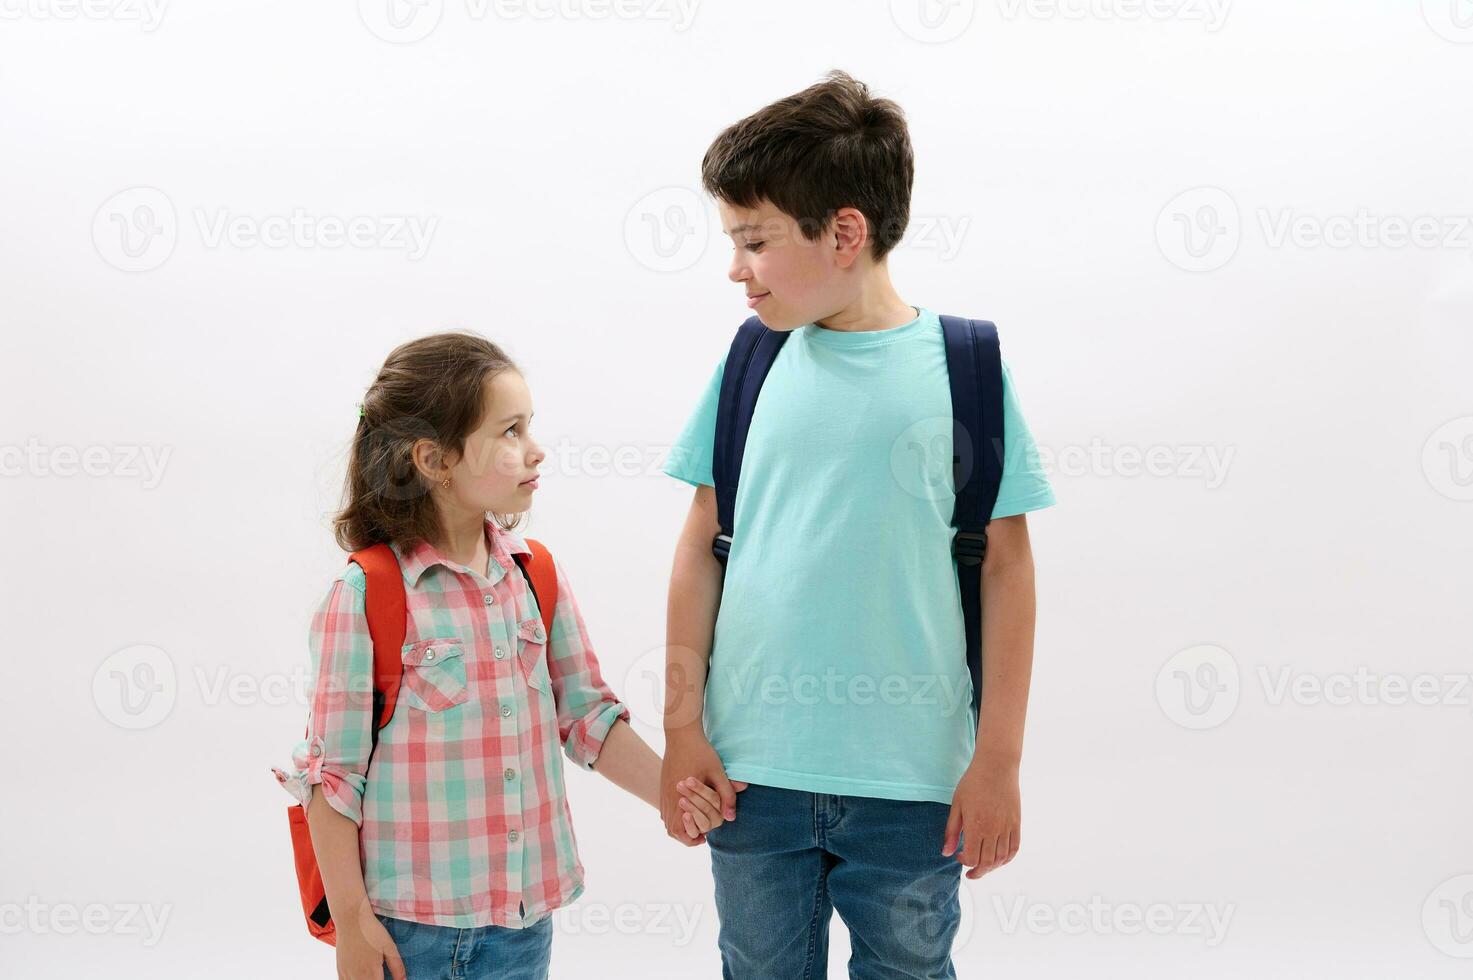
(987, 811)
(688, 755)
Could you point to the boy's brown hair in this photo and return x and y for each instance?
(830, 146)
(430, 388)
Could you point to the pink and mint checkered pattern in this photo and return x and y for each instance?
(463, 814)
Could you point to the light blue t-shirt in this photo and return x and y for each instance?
(839, 660)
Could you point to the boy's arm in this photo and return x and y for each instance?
(690, 624)
(986, 808)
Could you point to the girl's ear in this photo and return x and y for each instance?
(430, 460)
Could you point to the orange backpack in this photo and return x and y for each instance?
(387, 612)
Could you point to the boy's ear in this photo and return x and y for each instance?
(851, 235)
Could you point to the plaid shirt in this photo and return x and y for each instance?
(462, 812)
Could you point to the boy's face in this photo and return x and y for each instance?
(789, 281)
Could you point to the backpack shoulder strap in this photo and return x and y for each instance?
(541, 575)
(974, 369)
(753, 352)
(387, 611)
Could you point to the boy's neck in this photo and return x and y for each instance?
(876, 307)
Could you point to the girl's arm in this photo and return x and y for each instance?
(630, 764)
(364, 947)
(593, 724)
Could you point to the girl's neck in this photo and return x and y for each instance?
(464, 541)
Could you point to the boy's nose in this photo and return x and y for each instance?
(738, 271)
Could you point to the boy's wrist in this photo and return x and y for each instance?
(997, 757)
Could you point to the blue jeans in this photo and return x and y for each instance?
(482, 953)
(789, 859)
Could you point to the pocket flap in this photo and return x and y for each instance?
(532, 631)
(427, 653)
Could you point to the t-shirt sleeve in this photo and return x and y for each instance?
(1025, 486)
(690, 458)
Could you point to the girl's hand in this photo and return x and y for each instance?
(364, 949)
(700, 806)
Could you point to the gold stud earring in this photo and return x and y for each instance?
(445, 483)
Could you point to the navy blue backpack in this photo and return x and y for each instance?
(974, 369)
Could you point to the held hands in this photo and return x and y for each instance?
(695, 795)
(987, 811)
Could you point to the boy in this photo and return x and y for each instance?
(825, 665)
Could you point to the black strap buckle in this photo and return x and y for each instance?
(721, 547)
(969, 547)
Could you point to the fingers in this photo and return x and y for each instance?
(692, 787)
(395, 964)
(738, 786)
(728, 795)
(953, 831)
(704, 820)
(692, 836)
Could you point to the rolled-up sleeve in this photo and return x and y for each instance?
(586, 707)
(339, 739)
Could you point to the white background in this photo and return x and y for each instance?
(1108, 181)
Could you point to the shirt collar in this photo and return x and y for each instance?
(501, 543)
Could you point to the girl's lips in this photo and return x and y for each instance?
(531, 484)
(752, 301)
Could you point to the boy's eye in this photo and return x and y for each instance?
(754, 246)
(511, 431)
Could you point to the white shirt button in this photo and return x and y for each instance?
(490, 599)
(512, 836)
(429, 655)
(500, 652)
(506, 711)
(509, 774)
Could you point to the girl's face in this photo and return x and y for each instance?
(498, 471)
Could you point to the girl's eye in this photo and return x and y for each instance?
(511, 431)
(755, 246)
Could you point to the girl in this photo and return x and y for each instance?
(446, 847)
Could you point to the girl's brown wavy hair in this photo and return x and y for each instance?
(431, 388)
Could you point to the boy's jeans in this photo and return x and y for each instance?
(790, 858)
(482, 953)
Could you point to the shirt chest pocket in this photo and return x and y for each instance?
(434, 674)
(532, 653)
